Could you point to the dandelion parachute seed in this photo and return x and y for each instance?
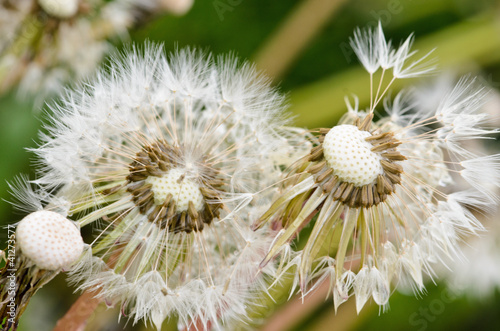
(171, 160)
(382, 189)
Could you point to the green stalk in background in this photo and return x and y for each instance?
(457, 48)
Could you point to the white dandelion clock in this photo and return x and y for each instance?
(383, 190)
(169, 158)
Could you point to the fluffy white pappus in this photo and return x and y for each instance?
(374, 52)
(480, 253)
(401, 109)
(471, 200)
(458, 110)
(417, 67)
(369, 282)
(428, 94)
(457, 119)
(483, 173)
(198, 302)
(88, 125)
(171, 158)
(367, 44)
(438, 238)
(27, 197)
(352, 110)
(466, 97)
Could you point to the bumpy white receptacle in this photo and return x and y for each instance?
(182, 189)
(59, 8)
(49, 239)
(349, 155)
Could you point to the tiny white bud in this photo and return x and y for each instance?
(59, 8)
(176, 7)
(48, 239)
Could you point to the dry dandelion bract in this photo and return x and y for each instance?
(170, 159)
(383, 189)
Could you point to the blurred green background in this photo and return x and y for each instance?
(303, 45)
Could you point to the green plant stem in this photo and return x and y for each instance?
(296, 32)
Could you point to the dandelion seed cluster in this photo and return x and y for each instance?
(171, 159)
(50, 33)
(177, 162)
(383, 190)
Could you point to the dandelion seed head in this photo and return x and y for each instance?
(170, 159)
(49, 240)
(383, 190)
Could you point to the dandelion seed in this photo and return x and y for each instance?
(171, 159)
(383, 190)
